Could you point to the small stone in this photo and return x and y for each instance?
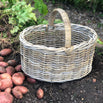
(82, 99)
(81, 91)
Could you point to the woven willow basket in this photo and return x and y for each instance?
(50, 53)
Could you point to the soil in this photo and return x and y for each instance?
(86, 90)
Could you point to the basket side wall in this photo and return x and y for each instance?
(56, 67)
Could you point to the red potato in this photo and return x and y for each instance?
(18, 91)
(10, 70)
(17, 94)
(18, 68)
(3, 64)
(22, 89)
(5, 76)
(2, 69)
(1, 58)
(12, 62)
(5, 83)
(31, 80)
(18, 78)
(6, 97)
(8, 90)
(5, 52)
(40, 93)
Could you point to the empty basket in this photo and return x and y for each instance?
(57, 52)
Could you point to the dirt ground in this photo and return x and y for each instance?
(86, 90)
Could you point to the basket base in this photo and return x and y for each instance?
(59, 81)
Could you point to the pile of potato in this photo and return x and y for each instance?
(12, 78)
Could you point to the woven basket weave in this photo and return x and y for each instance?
(50, 53)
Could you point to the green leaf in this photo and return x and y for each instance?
(11, 20)
(14, 30)
(21, 20)
(32, 15)
(41, 7)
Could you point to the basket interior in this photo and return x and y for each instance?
(55, 38)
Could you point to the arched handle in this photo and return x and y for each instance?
(66, 24)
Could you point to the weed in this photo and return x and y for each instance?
(21, 13)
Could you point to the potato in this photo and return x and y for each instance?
(18, 78)
(8, 90)
(18, 68)
(3, 64)
(2, 69)
(40, 93)
(22, 89)
(1, 58)
(6, 97)
(10, 70)
(5, 52)
(5, 76)
(18, 91)
(12, 62)
(31, 80)
(5, 83)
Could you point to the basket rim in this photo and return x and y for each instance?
(43, 47)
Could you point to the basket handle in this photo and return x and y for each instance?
(66, 24)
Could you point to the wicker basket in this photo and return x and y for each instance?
(50, 53)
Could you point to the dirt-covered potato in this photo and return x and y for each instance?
(3, 64)
(11, 62)
(18, 91)
(8, 90)
(40, 93)
(5, 76)
(18, 78)
(6, 97)
(5, 52)
(10, 70)
(31, 80)
(18, 68)
(2, 69)
(5, 83)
